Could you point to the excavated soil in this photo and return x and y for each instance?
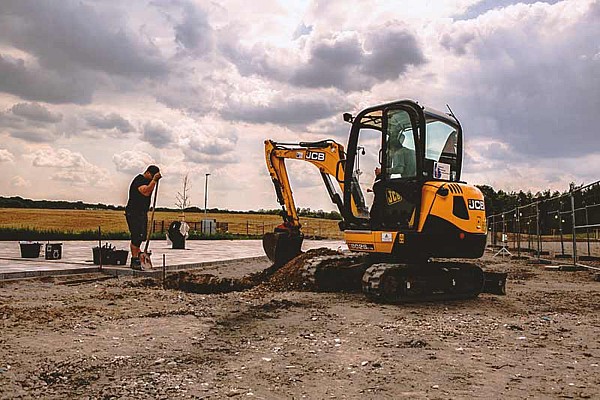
(245, 330)
(287, 277)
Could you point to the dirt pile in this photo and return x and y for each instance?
(287, 277)
(290, 276)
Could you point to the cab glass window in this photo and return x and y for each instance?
(441, 147)
(400, 150)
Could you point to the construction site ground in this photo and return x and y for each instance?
(100, 337)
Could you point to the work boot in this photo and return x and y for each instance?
(136, 264)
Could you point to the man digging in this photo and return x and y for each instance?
(136, 211)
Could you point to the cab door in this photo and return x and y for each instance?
(397, 187)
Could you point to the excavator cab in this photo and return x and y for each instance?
(417, 144)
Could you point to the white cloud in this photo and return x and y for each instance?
(112, 121)
(19, 182)
(65, 165)
(6, 156)
(346, 60)
(211, 149)
(132, 161)
(158, 134)
(36, 112)
(520, 68)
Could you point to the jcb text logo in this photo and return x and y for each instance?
(476, 205)
(393, 197)
(313, 155)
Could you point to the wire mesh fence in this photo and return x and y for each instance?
(311, 228)
(565, 226)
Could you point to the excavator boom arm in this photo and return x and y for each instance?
(328, 156)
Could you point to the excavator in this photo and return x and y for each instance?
(410, 245)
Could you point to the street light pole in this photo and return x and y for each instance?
(205, 192)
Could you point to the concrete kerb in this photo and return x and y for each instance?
(157, 271)
(45, 273)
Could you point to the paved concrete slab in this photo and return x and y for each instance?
(77, 256)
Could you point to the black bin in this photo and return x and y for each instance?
(53, 251)
(119, 257)
(30, 250)
(105, 252)
(175, 235)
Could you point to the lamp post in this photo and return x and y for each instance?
(205, 192)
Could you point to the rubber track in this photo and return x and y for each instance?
(387, 283)
(334, 273)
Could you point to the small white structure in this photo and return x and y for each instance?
(208, 226)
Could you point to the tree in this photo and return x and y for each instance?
(182, 198)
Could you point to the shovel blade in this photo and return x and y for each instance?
(281, 247)
(145, 261)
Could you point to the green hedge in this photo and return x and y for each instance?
(44, 235)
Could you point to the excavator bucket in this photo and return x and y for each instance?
(281, 247)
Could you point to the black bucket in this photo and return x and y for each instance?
(30, 250)
(119, 257)
(281, 247)
(53, 251)
(106, 252)
(175, 235)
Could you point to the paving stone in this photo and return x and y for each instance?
(77, 257)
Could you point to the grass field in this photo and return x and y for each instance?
(114, 221)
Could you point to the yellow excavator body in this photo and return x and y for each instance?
(421, 209)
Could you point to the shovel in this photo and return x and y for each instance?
(145, 255)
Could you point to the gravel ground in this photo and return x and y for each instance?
(121, 338)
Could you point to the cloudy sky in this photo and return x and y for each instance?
(93, 91)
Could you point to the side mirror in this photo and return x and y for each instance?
(348, 117)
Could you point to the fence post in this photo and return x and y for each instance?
(560, 231)
(529, 243)
(587, 230)
(247, 228)
(493, 230)
(518, 217)
(537, 230)
(573, 226)
(503, 229)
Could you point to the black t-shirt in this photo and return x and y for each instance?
(138, 203)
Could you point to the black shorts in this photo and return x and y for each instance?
(138, 227)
